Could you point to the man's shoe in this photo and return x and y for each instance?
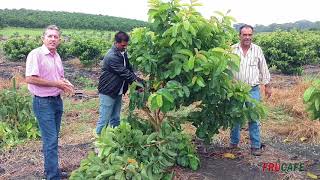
(96, 150)
(234, 147)
(256, 151)
(64, 175)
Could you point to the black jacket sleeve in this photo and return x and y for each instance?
(116, 65)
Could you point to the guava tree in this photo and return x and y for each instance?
(186, 59)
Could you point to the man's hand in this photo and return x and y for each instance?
(65, 85)
(138, 88)
(62, 84)
(267, 90)
(140, 80)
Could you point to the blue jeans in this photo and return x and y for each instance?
(48, 111)
(254, 125)
(109, 112)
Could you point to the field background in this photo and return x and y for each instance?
(288, 134)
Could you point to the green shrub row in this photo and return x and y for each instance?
(88, 50)
(289, 51)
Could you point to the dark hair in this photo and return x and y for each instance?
(121, 36)
(245, 26)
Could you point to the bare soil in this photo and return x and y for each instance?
(25, 161)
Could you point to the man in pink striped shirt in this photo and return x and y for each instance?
(45, 78)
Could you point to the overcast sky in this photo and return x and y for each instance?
(246, 11)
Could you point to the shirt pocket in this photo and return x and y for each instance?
(254, 61)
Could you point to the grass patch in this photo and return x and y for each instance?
(80, 118)
(86, 83)
(287, 116)
(13, 31)
(88, 116)
(80, 105)
(290, 99)
(278, 114)
(78, 111)
(310, 77)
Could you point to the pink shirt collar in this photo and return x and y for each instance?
(46, 51)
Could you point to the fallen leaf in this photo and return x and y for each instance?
(229, 155)
(303, 139)
(287, 141)
(311, 175)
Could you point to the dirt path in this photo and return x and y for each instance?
(25, 161)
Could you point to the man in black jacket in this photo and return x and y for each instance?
(117, 74)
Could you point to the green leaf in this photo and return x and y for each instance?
(168, 176)
(172, 41)
(152, 137)
(183, 161)
(175, 30)
(186, 91)
(183, 42)
(317, 103)
(140, 59)
(149, 172)
(120, 175)
(194, 79)
(194, 163)
(167, 106)
(153, 102)
(159, 100)
(105, 174)
(186, 25)
(166, 74)
(177, 68)
(234, 57)
(193, 31)
(253, 115)
(178, 57)
(167, 95)
(221, 66)
(167, 163)
(198, 69)
(185, 52)
(191, 62)
(308, 93)
(198, 43)
(202, 57)
(131, 168)
(150, 98)
(218, 49)
(234, 63)
(137, 177)
(171, 153)
(200, 81)
(185, 67)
